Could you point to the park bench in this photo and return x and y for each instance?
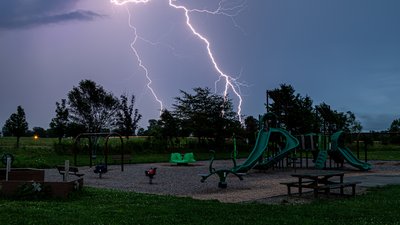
(72, 171)
(117, 158)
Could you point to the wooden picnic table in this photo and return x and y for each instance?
(320, 181)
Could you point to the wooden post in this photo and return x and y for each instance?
(8, 167)
(66, 170)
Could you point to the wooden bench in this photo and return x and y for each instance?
(72, 171)
(296, 184)
(327, 187)
(117, 158)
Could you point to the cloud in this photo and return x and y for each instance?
(376, 122)
(21, 14)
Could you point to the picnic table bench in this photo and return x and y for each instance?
(72, 171)
(320, 183)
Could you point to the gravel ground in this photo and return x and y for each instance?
(258, 186)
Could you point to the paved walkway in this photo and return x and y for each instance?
(375, 180)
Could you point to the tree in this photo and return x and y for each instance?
(333, 120)
(127, 118)
(74, 129)
(297, 114)
(294, 112)
(141, 132)
(395, 126)
(206, 115)
(16, 125)
(394, 129)
(39, 131)
(352, 124)
(251, 128)
(91, 106)
(168, 126)
(153, 129)
(59, 123)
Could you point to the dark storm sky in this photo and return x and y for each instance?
(345, 53)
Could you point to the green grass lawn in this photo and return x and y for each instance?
(41, 154)
(97, 206)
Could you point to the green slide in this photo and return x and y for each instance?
(353, 160)
(261, 146)
(291, 144)
(338, 145)
(258, 150)
(321, 158)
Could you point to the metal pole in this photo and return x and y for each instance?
(267, 94)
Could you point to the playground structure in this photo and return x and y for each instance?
(277, 148)
(329, 152)
(339, 147)
(256, 155)
(93, 139)
(322, 144)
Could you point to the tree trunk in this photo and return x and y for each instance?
(18, 137)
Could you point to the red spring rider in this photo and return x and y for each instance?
(150, 173)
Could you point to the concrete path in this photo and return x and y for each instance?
(375, 180)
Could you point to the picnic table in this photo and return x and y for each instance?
(73, 170)
(320, 181)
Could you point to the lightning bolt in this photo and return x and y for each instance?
(141, 65)
(230, 82)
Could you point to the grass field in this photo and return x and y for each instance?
(97, 206)
(41, 154)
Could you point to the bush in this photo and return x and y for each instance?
(63, 148)
(134, 147)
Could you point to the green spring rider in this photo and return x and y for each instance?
(222, 173)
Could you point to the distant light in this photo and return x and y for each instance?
(36, 137)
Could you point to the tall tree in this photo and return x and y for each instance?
(206, 115)
(91, 106)
(294, 111)
(169, 126)
(59, 123)
(16, 125)
(394, 129)
(39, 131)
(352, 124)
(251, 128)
(395, 126)
(332, 120)
(127, 117)
(154, 128)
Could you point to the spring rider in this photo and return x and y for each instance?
(150, 173)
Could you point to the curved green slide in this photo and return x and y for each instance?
(291, 143)
(353, 160)
(258, 150)
(347, 153)
(261, 146)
